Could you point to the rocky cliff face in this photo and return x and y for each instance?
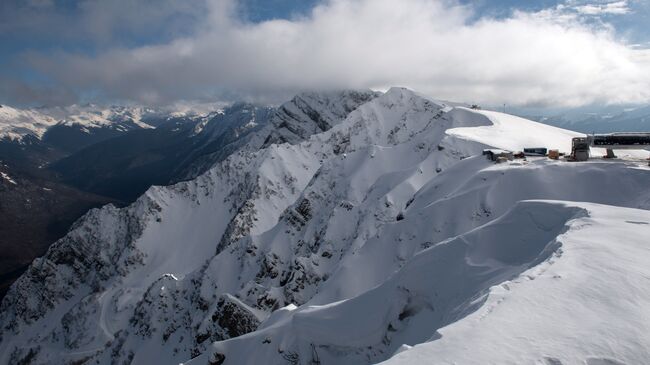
(311, 113)
(98, 286)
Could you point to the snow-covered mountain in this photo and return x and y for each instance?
(184, 147)
(39, 207)
(74, 127)
(82, 126)
(124, 167)
(93, 116)
(17, 123)
(294, 121)
(312, 113)
(32, 138)
(377, 225)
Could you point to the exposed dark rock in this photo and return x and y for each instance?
(217, 359)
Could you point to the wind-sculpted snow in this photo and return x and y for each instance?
(436, 287)
(312, 250)
(586, 304)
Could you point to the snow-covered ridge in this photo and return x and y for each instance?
(95, 117)
(17, 123)
(582, 305)
(435, 287)
(514, 133)
(310, 113)
(274, 253)
(516, 290)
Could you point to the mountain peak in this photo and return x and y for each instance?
(309, 113)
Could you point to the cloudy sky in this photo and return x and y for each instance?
(528, 53)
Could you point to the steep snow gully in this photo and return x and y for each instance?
(353, 227)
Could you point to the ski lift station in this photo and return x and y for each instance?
(614, 141)
(580, 147)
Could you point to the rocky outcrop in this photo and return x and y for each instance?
(311, 113)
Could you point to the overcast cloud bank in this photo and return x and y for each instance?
(547, 58)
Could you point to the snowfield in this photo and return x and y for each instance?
(513, 133)
(356, 228)
(584, 304)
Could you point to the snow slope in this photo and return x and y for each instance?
(288, 253)
(441, 210)
(293, 122)
(514, 133)
(310, 113)
(585, 304)
(113, 259)
(535, 286)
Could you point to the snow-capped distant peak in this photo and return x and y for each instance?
(92, 116)
(18, 123)
(15, 124)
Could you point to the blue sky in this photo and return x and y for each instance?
(633, 25)
(156, 51)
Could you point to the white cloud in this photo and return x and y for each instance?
(427, 45)
(616, 7)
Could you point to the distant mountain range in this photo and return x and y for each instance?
(612, 119)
